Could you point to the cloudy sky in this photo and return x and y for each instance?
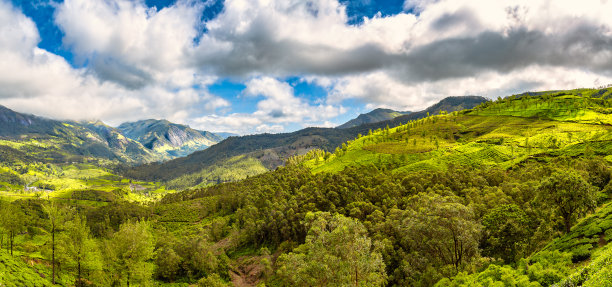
(252, 66)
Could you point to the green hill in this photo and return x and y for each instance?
(60, 142)
(272, 150)
(515, 192)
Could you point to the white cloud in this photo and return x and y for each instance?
(381, 90)
(279, 108)
(36, 81)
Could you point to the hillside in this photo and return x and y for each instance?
(272, 150)
(164, 137)
(377, 115)
(56, 141)
(70, 141)
(515, 192)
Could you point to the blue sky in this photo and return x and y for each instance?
(281, 65)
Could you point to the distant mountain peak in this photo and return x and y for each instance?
(165, 136)
(376, 115)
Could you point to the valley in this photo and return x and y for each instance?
(511, 192)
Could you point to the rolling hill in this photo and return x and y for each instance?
(130, 143)
(464, 198)
(272, 150)
(56, 141)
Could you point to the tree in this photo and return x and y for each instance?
(441, 230)
(506, 229)
(569, 193)
(337, 252)
(128, 251)
(12, 220)
(79, 249)
(56, 217)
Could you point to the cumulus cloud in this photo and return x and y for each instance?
(36, 81)
(278, 108)
(432, 44)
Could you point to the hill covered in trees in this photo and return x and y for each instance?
(271, 150)
(514, 192)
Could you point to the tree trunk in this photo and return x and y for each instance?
(79, 275)
(12, 239)
(568, 224)
(53, 254)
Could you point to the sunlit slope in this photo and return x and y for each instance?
(502, 133)
(75, 181)
(15, 272)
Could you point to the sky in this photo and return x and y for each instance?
(255, 66)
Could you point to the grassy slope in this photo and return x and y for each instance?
(502, 133)
(15, 272)
(80, 181)
(233, 169)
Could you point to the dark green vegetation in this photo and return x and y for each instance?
(272, 150)
(471, 198)
(377, 115)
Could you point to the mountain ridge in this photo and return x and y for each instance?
(163, 136)
(95, 138)
(274, 149)
(376, 115)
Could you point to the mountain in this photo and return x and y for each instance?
(377, 115)
(131, 143)
(272, 150)
(227, 135)
(164, 137)
(68, 141)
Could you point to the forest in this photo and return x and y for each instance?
(515, 192)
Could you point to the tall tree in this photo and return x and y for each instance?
(56, 217)
(337, 252)
(569, 194)
(506, 232)
(78, 248)
(441, 229)
(13, 220)
(128, 251)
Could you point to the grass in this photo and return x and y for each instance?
(501, 133)
(16, 272)
(62, 181)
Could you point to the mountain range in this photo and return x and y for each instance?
(132, 143)
(272, 150)
(377, 115)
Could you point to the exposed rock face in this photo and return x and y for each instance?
(166, 137)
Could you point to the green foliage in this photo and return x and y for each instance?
(507, 232)
(79, 251)
(14, 272)
(571, 195)
(127, 252)
(493, 276)
(337, 252)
